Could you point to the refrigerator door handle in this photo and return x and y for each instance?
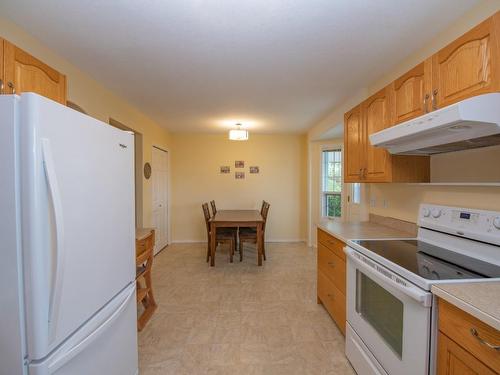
(59, 361)
(58, 272)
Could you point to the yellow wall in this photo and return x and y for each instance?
(196, 160)
(402, 199)
(96, 100)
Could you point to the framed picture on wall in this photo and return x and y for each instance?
(225, 169)
(239, 175)
(239, 164)
(254, 169)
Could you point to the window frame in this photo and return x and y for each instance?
(323, 194)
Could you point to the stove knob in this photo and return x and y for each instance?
(496, 222)
(436, 212)
(426, 212)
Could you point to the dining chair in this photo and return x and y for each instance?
(250, 234)
(223, 235)
(144, 265)
(214, 209)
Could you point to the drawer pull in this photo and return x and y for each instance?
(331, 264)
(474, 333)
(331, 296)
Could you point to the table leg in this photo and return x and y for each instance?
(259, 244)
(213, 237)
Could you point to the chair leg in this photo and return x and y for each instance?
(208, 250)
(263, 249)
(231, 250)
(241, 250)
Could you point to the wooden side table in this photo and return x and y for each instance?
(144, 251)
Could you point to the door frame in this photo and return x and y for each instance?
(169, 221)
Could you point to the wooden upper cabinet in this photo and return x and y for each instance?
(376, 113)
(353, 145)
(469, 66)
(25, 73)
(412, 92)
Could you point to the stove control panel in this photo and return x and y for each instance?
(479, 225)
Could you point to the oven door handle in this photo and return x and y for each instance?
(419, 295)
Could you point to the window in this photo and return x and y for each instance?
(332, 182)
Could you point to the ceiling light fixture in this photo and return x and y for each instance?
(238, 134)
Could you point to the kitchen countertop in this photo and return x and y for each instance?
(479, 299)
(141, 233)
(345, 231)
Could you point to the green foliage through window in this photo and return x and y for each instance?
(332, 182)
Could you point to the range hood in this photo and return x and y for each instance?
(471, 123)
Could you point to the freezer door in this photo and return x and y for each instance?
(107, 344)
(78, 230)
(12, 345)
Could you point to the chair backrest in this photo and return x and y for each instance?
(262, 207)
(206, 214)
(144, 259)
(214, 209)
(265, 211)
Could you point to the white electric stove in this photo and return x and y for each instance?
(391, 317)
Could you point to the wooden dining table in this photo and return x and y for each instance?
(235, 219)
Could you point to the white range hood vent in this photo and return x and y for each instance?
(471, 123)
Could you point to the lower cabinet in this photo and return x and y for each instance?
(462, 344)
(331, 277)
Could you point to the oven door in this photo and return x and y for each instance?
(390, 315)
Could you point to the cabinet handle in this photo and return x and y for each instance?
(332, 264)
(12, 87)
(331, 296)
(360, 173)
(426, 99)
(434, 99)
(474, 333)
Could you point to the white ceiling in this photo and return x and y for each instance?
(201, 65)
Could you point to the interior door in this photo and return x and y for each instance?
(354, 145)
(24, 73)
(377, 116)
(468, 66)
(159, 175)
(78, 218)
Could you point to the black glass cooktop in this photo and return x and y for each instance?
(429, 261)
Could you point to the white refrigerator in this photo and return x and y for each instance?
(67, 290)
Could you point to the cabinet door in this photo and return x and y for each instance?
(412, 92)
(24, 73)
(376, 112)
(469, 66)
(354, 145)
(454, 360)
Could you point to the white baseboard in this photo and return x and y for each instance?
(189, 241)
(267, 241)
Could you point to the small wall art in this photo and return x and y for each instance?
(239, 175)
(239, 164)
(254, 169)
(225, 169)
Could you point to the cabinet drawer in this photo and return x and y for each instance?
(332, 243)
(457, 325)
(333, 300)
(332, 266)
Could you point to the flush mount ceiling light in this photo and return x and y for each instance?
(238, 134)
